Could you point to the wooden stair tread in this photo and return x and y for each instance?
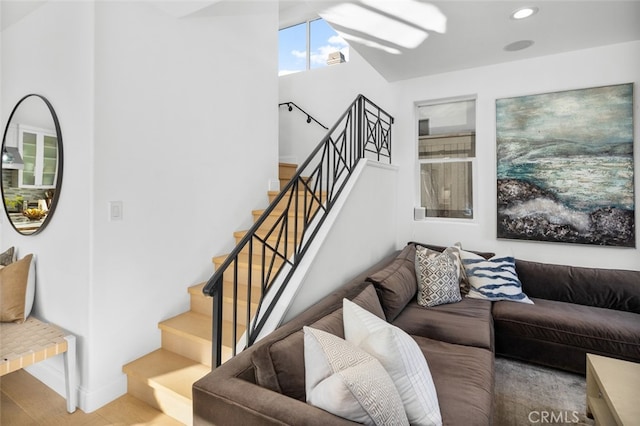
(302, 191)
(167, 370)
(278, 211)
(243, 259)
(197, 289)
(190, 325)
(275, 234)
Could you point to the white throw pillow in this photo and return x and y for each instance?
(348, 382)
(401, 356)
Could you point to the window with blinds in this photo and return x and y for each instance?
(446, 157)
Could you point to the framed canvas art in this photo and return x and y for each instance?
(565, 166)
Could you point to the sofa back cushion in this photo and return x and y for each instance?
(604, 288)
(396, 283)
(279, 364)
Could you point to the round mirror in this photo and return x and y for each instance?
(31, 164)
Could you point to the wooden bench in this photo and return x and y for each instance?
(33, 341)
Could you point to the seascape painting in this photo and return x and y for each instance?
(565, 167)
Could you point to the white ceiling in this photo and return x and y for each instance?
(476, 31)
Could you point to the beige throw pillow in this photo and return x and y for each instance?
(14, 279)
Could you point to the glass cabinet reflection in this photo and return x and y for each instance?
(39, 149)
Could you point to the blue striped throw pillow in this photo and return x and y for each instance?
(493, 279)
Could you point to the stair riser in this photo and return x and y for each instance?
(256, 255)
(286, 171)
(243, 280)
(168, 402)
(268, 254)
(300, 191)
(204, 305)
(227, 312)
(256, 275)
(196, 350)
(201, 304)
(311, 202)
(274, 235)
(242, 290)
(275, 220)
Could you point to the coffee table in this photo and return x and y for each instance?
(613, 387)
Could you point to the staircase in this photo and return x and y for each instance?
(262, 263)
(163, 378)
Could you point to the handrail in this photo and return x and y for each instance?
(291, 105)
(276, 242)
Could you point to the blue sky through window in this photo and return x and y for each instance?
(292, 55)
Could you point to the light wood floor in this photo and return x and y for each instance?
(28, 402)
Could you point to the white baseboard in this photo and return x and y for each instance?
(51, 373)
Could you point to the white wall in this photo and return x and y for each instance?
(580, 69)
(587, 68)
(50, 52)
(360, 231)
(181, 115)
(165, 114)
(325, 93)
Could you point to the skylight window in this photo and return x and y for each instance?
(309, 45)
(386, 25)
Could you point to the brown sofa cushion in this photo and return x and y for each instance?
(485, 254)
(590, 329)
(396, 283)
(604, 288)
(463, 377)
(279, 363)
(467, 322)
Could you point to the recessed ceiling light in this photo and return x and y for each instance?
(518, 45)
(524, 12)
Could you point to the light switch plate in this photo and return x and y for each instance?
(115, 211)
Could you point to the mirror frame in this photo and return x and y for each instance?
(56, 195)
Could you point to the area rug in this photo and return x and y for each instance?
(527, 394)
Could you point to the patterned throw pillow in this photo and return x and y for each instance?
(464, 281)
(438, 277)
(7, 257)
(455, 249)
(493, 279)
(401, 356)
(348, 382)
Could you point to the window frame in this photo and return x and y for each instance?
(458, 159)
(307, 22)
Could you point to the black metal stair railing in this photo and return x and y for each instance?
(256, 272)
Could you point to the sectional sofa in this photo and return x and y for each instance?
(573, 311)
